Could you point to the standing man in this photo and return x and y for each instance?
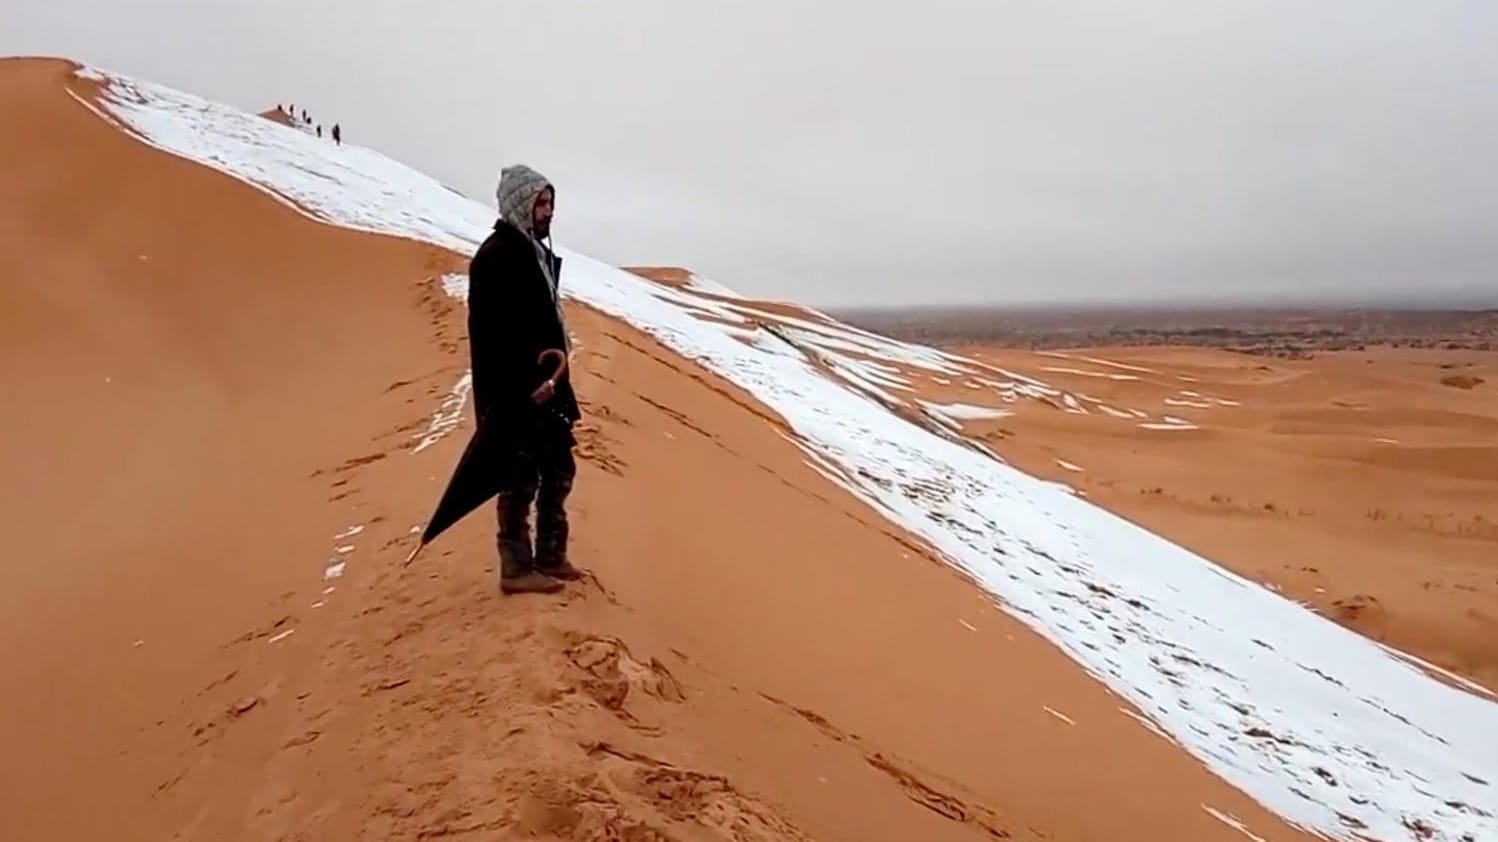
(337, 135)
(521, 394)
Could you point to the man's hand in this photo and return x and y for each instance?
(548, 388)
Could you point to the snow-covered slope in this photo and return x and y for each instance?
(1328, 729)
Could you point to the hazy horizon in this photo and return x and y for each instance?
(948, 154)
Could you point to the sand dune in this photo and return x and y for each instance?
(179, 355)
(1355, 482)
(792, 631)
(1358, 483)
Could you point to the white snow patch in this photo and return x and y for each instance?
(1168, 426)
(1095, 360)
(1061, 486)
(1208, 656)
(853, 371)
(1108, 410)
(1149, 724)
(448, 416)
(349, 533)
(1232, 821)
(333, 571)
(1124, 366)
(1174, 402)
(965, 411)
(282, 636)
(1442, 671)
(456, 285)
(873, 372)
(1083, 373)
(1059, 715)
(710, 287)
(1069, 466)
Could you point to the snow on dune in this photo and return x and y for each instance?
(965, 411)
(1317, 723)
(1126, 367)
(1056, 369)
(951, 415)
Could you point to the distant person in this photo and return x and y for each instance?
(337, 135)
(319, 129)
(514, 315)
(305, 118)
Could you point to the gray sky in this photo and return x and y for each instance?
(1004, 151)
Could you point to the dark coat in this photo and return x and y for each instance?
(511, 320)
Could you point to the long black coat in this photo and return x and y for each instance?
(511, 320)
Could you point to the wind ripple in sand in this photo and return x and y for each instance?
(1316, 722)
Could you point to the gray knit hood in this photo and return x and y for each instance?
(519, 186)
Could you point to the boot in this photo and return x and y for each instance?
(551, 542)
(517, 577)
(517, 573)
(558, 567)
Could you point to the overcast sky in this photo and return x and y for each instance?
(932, 152)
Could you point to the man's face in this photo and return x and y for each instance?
(542, 211)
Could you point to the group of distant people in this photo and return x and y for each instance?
(306, 120)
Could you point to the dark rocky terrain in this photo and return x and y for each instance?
(1288, 333)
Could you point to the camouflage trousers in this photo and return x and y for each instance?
(544, 480)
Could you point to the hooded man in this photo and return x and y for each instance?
(514, 317)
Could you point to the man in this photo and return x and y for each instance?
(520, 393)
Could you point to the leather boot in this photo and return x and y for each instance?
(551, 536)
(517, 573)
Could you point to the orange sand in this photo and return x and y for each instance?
(276, 115)
(206, 388)
(1356, 482)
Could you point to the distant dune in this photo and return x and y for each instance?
(826, 601)
(1356, 482)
